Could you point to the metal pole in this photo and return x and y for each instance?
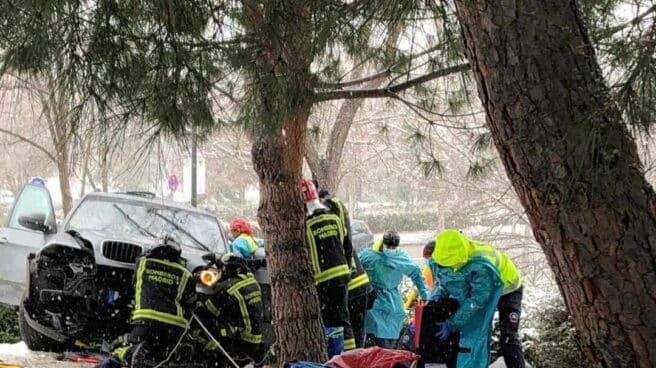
(194, 176)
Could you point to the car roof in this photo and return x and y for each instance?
(158, 201)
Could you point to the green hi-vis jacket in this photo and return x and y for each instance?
(455, 249)
(237, 306)
(325, 237)
(163, 292)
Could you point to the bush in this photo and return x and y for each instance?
(550, 340)
(9, 332)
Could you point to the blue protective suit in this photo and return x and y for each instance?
(385, 269)
(476, 284)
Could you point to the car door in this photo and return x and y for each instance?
(360, 235)
(30, 221)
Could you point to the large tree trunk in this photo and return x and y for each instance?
(278, 158)
(326, 169)
(283, 81)
(574, 167)
(63, 166)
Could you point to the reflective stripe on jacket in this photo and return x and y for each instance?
(238, 304)
(161, 288)
(337, 207)
(359, 276)
(325, 233)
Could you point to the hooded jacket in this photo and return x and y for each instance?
(476, 284)
(456, 250)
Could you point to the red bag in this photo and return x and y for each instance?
(374, 357)
(419, 311)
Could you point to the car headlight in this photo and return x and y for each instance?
(209, 278)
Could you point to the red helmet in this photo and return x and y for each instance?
(309, 190)
(241, 226)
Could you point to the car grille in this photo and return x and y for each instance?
(120, 251)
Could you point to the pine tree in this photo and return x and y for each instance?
(563, 138)
(259, 64)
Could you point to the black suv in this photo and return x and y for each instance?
(76, 285)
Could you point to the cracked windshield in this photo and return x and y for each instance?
(191, 229)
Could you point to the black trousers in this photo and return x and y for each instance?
(358, 301)
(150, 343)
(510, 310)
(333, 299)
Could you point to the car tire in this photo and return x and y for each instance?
(34, 339)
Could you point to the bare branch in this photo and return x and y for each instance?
(389, 91)
(30, 142)
(355, 82)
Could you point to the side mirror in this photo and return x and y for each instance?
(210, 258)
(36, 221)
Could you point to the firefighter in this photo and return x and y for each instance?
(359, 287)
(164, 294)
(386, 264)
(331, 257)
(244, 244)
(236, 311)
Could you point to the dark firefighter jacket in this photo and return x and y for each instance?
(325, 235)
(359, 280)
(163, 291)
(237, 308)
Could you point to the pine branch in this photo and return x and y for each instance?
(639, 18)
(391, 90)
(386, 73)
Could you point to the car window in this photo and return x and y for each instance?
(192, 229)
(32, 200)
(358, 227)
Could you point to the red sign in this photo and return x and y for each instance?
(173, 183)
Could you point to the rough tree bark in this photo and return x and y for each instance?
(574, 167)
(278, 159)
(282, 78)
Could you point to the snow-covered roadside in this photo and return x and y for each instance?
(20, 355)
(17, 349)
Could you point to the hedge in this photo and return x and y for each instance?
(9, 332)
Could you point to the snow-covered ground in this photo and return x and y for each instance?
(20, 355)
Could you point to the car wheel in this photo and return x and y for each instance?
(34, 339)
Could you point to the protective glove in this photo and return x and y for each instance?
(444, 331)
(433, 299)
